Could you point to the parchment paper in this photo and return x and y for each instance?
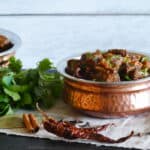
(123, 126)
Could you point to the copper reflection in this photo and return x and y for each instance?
(108, 100)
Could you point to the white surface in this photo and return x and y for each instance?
(121, 128)
(74, 6)
(58, 37)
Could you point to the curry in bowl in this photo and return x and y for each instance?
(5, 43)
(111, 66)
(110, 84)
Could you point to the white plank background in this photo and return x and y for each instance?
(58, 37)
(56, 29)
(74, 7)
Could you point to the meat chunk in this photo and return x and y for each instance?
(97, 55)
(134, 57)
(146, 64)
(121, 52)
(114, 61)
(4, 43)
(136, 74)
(128, 69)
(72, 66)
(93, 58)
(102, 74)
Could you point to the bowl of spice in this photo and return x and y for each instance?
(9, 44)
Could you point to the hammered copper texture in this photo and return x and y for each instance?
(108, 101)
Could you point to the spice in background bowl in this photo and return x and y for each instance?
(9, 44)
(5, 43)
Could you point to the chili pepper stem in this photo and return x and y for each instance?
(41, 111)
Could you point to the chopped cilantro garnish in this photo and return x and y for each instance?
(127, 78)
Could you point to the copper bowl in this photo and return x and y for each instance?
(6, 54)
(106, 100)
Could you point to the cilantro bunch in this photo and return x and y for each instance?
(21, 88)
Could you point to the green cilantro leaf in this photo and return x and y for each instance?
(15, 64)
(14, 95)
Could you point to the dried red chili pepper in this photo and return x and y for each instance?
(67, 130)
